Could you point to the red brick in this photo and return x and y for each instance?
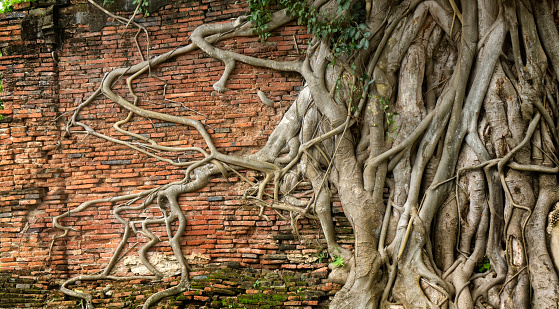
(37, 90)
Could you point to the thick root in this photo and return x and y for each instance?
(363, 292)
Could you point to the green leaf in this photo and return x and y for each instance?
(360, 44)
(357, 35)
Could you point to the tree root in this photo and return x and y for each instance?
(335, 136)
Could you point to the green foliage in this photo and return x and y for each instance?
(484, 266)
(260, 15)
(338, 260)
(8, 5)
(345, 32)
(319, 257)
(143, 5)
(390, 116)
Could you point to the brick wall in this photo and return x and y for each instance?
(55, 54)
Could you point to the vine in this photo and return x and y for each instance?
(344, 30)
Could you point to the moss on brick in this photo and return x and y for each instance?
(222, 288)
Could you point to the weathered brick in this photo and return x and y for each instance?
(116, 162)
(34, 153)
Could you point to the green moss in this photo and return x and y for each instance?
(249, 299)
(181, 298)
(262, 300)
(279, 297)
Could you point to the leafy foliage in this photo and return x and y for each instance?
(8, 5)
(338, 261)
(345, 33)
(260, 15)
(143, 5)
(319, 257)
(390, 116)
(484, 266)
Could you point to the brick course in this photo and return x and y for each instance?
(43, 173)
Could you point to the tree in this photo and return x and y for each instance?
(452, 106)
